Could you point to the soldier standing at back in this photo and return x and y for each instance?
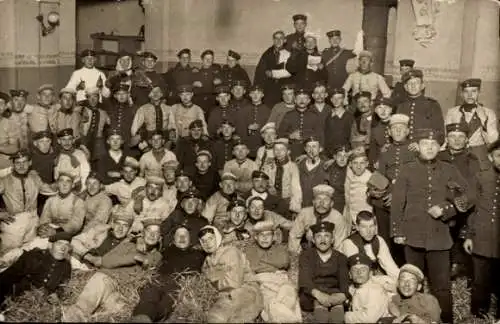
(205, 81)
(180, 74)
(424, 112)
(399, 94)
(146, 77)
(481, 122)
(232, 71)
(296, 40)
(335, 60)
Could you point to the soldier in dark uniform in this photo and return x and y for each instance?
(380, 137)
(37, 268)
(424, 112)
(238, 95)
(273, 59)
(187, 147)
(334, 60)
(301, 123)
(483, 236)
(232, 71)
(399, 94)
(223, 111)
(223, 145)
(205, 80)
(180, 74)
(146, 77)
(251, 119)
(121, 112)
(306, 73)
(337, 172)
(420, 210)
(338, 124)
(296, 40)
(468, 164)
(206, 177)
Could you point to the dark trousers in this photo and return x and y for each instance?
(458, 254)
(485, 283)
(156, 300)
(437, 264)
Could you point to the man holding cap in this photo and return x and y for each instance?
(421, 204)
(232, 70)
(335, 60)
(323, 276)
(480, 122)
(321, 211)
(88, 76)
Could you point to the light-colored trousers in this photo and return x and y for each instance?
(22, 230)
(240, 305)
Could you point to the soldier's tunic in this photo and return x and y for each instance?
(217, 116)
(143, 83)
(284, 179)
(329, 277)
(73, 162)
(336, 179)
(147, 209)
(243, 172)
(60, 119)
(399, 94)
(204, 96)
(36, 268)
(379, 141)
(239, 298)
(185, 115)
(278, 112)
(150, 163)
(153, 118)
(304, 74)
(223, 152)
(361, 129)
(252, 114)
(188, 147)
(93, 122)
(390, 161)
(424, 112)
(335, 61)
(193, 222)
(423, 305)
(68, 213)
(175, 77)
(272, 60)
(20, 122)
(123, 190)
(295, 41)
(279, 293)
(38, 119)
(215, 210)
(306, 218)
(206, 183)
(90, 77)
(356, 199)
(306, 122)
(121, 117)
(311, 174)
(265, 155)
(97, 210)
(109, 162)
(44, 164)
(337, 130)
(371, 82)
(9, 141)
(324, 110)
(482, 125)
(420, 186)
(20, 195)
(237, 73)
(369, 303)
(484, 231)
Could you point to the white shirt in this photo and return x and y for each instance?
(90, 77)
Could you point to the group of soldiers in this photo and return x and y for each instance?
(371, 188)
